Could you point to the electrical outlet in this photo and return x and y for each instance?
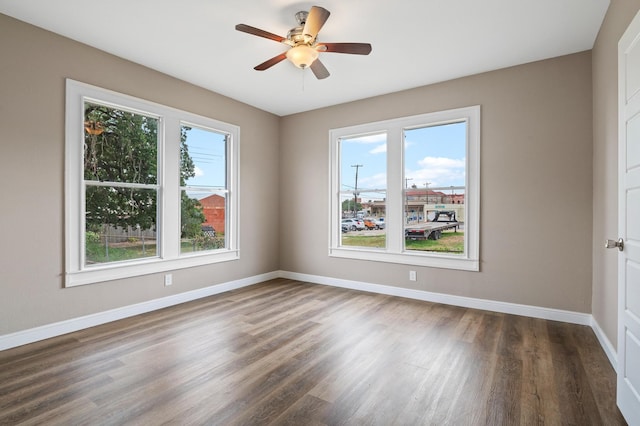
(168, 279)
(412, 276)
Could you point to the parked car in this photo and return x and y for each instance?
(370, 224)
(380, 223)
(353, 224)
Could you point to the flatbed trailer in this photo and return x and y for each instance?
(429, 230)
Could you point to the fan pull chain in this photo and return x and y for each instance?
(303, 73)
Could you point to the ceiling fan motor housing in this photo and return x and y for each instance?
(296, 36)
(301, 17)
(303, 44)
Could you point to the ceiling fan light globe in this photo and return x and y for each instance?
(302, 56)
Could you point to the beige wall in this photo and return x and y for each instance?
(536, 157)
(537, 154)
(605, 163)
(33, 67)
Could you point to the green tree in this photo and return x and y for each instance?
(122, 147)
(347, 206)
(191, 216)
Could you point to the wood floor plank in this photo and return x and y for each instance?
(575, 394)
(600, 374)
(306, 411)
(539, 394)
(284, 352)
(503, 404)
(64, 413)
(444, 380)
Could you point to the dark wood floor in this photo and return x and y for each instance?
(285, 352)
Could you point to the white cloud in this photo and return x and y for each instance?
(198, 171)
(438, 172)
(377, 138)
(380, 149)
(377, 181)
(442, 162)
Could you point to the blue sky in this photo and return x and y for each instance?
(207, 150)
(434, 155)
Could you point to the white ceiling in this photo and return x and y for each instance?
(415, 42)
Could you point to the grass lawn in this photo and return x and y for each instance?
(97, 252)
(450, 242)
(377, 241)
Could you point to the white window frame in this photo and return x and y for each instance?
(168, 224)
(395, 251)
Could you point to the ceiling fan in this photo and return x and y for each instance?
(304, 46)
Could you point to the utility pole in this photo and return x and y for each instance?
(355, 191)
(406, 199)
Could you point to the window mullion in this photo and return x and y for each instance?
(169, 216)
(395, 233)
(232, 185)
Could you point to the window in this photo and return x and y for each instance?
(407, 190)
(203, 189)
(148, 188)
(435, 161)
(120, 165)
(363, 193)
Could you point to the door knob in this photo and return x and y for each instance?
(614, 244)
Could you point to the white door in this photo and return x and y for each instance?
(629, 223)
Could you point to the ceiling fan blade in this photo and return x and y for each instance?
(260, 33)
(271, 62)
(315, 20)
(352, 48)
(319, 70)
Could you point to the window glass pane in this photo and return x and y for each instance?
(434, 180)
(120, 224)
(203, 179)
(202, 221)
(363, 183)
(119, 146)
(203, 158)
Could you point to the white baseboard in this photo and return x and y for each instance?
(63, 327)
(20, 338)
(607, 347)
(469, 302)
(466, 302)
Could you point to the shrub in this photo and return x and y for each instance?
(92, 237)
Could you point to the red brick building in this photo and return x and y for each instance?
(213, 208)
(456, 198)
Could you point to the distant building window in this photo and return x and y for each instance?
(420, 178)
(137, 173)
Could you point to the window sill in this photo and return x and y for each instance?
(108, 272)
(408, 258)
